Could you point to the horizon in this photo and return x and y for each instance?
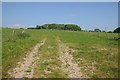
(87, 15)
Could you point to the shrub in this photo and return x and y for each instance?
(23, 35)
(117, 30)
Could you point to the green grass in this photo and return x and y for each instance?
(13, 51)
(49, 59)
(98, 56)
(91, 48)
(0, 53)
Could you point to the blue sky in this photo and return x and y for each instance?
(88, 15)
(59, 0)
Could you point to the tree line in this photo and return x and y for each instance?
(71, 27)
(117, 30)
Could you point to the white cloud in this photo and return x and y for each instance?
(17, 26)
(31, 26)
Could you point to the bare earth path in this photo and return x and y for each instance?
(67, 62)
(26, 68)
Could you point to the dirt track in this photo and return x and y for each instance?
(67, 62)
(26, 68)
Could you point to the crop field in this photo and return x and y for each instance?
(58, 54)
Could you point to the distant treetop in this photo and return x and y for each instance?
(117, 30)
(97, 30)
(71, 27)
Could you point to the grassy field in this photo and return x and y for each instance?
(0, 52)
(96, 55)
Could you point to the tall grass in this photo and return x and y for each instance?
(13, 51)
(101, 51)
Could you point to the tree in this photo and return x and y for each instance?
(54, 26)
(72, 27)
(97, 30)
(109, 31)
(103, 31)
(117, 30)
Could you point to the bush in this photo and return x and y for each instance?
(109, 31)
(23, 35)
(117, 30)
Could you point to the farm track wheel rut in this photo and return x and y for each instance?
(26, 68)
(67, 62)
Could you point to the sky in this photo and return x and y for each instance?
(60, 0)
(88, 15)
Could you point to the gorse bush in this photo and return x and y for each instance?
(23, 35)
(15, 35)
